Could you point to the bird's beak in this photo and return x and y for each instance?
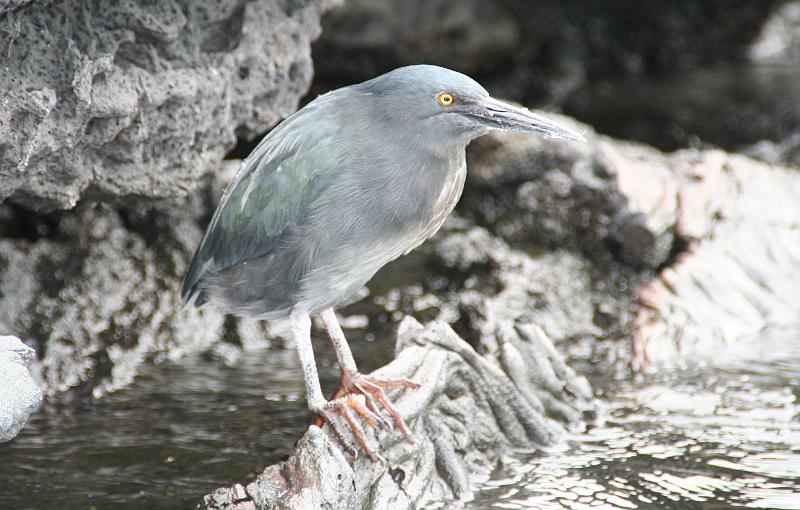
(499, 115)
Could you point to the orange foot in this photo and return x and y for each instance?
(364, 395)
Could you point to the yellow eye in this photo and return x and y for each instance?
(445, 99)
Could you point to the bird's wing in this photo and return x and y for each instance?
(270, 194)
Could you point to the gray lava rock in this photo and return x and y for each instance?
(19, 394)
(98, 298)
(685, 252)
(469, 412)
(140, 99)
(98, 294)
(600, 197)
(736, 279)
(527, 289)
(779, 36)
(96, 289)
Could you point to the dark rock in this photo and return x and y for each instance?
(532, 51)
(139, 99)
(781, 152)
(469, 412)
(19, 395)
(585, 197)
(561, 236)
(97, 298)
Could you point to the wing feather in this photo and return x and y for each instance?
(269, 196)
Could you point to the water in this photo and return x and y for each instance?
(703, 437)
(180, 431)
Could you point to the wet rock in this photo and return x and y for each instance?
(96, 290)
(140, 99)
(97, 299)
(561, 236)
(686, 252)
(19, 394)
(779, 36)
(527, 289)
(469, 412)
(740, 277)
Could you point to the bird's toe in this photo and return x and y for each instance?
(341, 414)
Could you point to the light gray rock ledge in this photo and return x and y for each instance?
(115, 100)
(470, 411)
(19, 395)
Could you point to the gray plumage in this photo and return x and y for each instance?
(353, 180)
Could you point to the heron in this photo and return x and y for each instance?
(353, 180)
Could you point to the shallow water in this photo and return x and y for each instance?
(706, 437)
(703, 437)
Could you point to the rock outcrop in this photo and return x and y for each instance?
(738, 274)
(469, 412)
(95, 290)
(569, 237)
(108, 100)
(19, 394)
(688, 251)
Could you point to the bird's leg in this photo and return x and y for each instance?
(338, 408)
(353, 382)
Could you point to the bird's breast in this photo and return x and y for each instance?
(450, 191)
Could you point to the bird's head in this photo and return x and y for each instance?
(448, 107)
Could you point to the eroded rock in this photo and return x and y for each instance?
(468, 413)
(19, 394)
(740, 277)
(98, 293)
(138, 99)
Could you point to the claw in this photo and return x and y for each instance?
(374, 388)
(372, 404)
(358, 433)
(352, 402)
(341, 408)
(364, 396)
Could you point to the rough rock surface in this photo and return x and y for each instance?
(469, 412)
(602, 196)
(19, 395)
(549, 233)
(739, 274)
(619, 239)
(114, 100)
(779, 36)
(96, 291)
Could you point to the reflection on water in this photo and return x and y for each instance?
(180, 431)
(723, 436)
